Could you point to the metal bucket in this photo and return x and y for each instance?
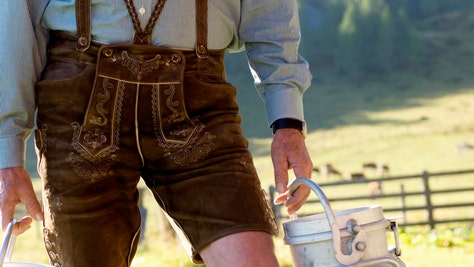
(7, 250)
(354, 237)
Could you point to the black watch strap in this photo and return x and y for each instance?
(287, 123)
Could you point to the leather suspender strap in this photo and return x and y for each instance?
(83, 23)
(201, 29)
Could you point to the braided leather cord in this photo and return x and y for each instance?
(144, 36)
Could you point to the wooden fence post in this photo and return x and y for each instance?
(403, 202)
(427, 192)
(143, 214)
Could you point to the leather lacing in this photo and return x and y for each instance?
(144, 36)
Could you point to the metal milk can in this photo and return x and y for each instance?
(354, 237)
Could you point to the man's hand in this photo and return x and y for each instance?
(16, 188)
(289, 152)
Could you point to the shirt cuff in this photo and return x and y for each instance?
(13, 153)
(284, 104)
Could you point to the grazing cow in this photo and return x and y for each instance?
(382, 169)
(357, 176)
(328, 170)
(316, 169)
(369, 165)
(464, 146)
(374, 188)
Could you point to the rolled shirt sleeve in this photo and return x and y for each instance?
(271, 33)
(20, 63)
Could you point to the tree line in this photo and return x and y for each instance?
(364, 38)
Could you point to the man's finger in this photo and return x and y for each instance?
(281, 176)
(22, 225)
(297, 199)
(34, 208)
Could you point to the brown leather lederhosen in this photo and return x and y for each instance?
(109, 115)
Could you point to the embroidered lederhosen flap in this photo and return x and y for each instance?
(141, 64)
(125, 67)
(129, 67)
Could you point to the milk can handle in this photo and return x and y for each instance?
(8, 243)
(336, 235)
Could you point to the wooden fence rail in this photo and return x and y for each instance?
(443, 197)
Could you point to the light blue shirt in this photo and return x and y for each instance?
(268, 30)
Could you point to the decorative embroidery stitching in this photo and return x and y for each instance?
(92, 167)
(95, 138)
(140, 66)
(170, 104)
(51, 239)
(55, 204)
(192, 152)
(43, 137)
(180, 130)
(197, 146)
(102, 99)
(247, 162)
